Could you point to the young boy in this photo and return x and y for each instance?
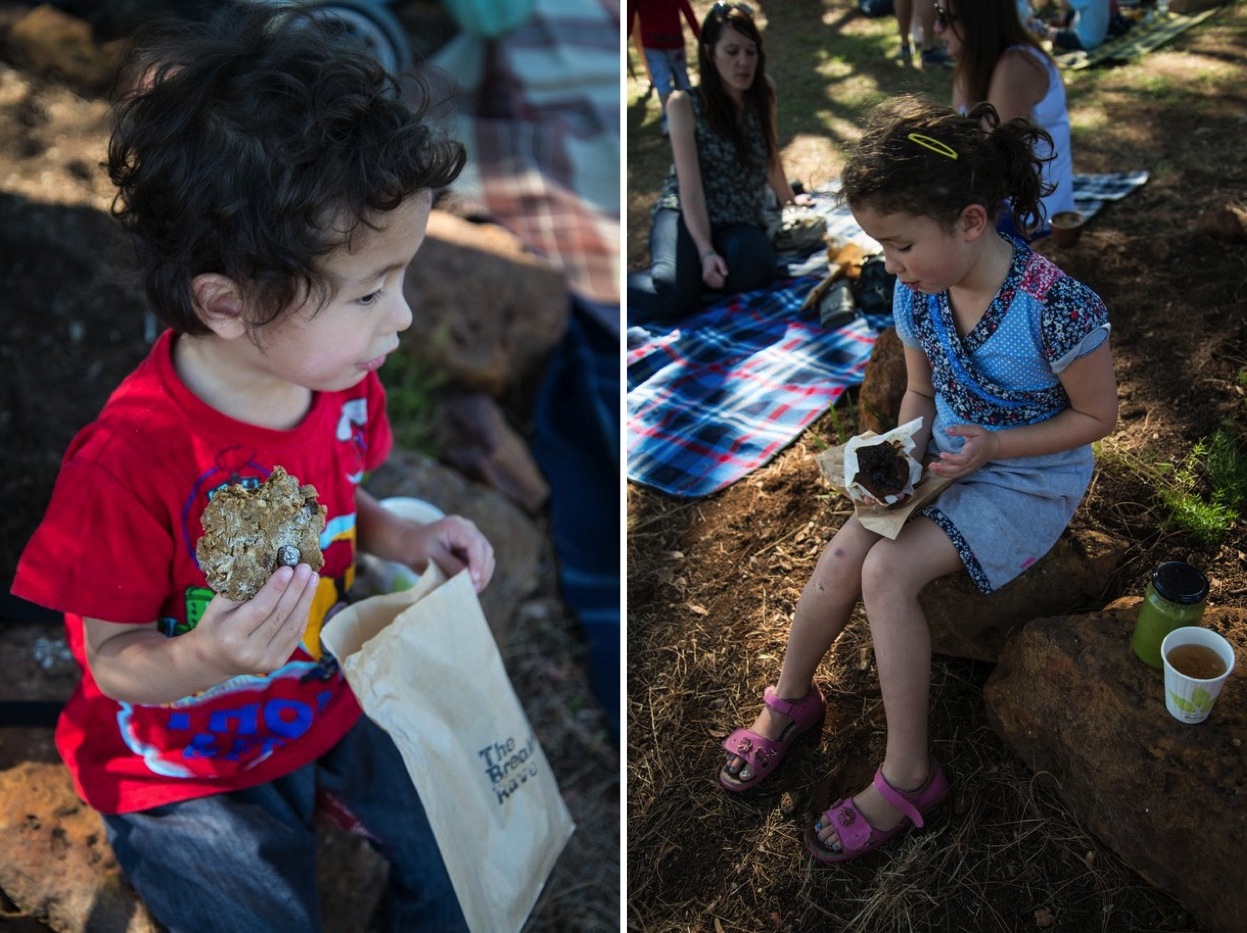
(276, 186)
(662, 43)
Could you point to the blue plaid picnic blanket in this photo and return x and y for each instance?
(725, 390)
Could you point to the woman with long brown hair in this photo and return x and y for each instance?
(998, 61)
(708, 230)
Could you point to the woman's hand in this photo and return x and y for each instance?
(981, 445)
(713, 270)
(802, 200)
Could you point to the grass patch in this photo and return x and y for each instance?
(1203, 494)
(414, 390)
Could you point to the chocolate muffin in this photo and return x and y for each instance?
(882, 469)
(249, 533)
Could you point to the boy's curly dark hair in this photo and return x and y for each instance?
(905, 163)
(254, 144)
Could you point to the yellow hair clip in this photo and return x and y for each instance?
(934, 145)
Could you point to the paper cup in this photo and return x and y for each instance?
(1067, 227)
(412, 509)
(388, 576)
(1188, 698)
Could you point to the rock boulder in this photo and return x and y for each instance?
(486, 310)
(883, 384)
(1070, 698)
(1072, 576)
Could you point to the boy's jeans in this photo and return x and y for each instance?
(668, 69)
(245, 861)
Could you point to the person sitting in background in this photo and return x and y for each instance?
(999, 61)
(662, 42)
(1086, 26)
(708, 227)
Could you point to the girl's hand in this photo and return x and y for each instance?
(260, 635)
(980, 446)
(713, 270)
(452, 543)
(872, 503)
(802, 200)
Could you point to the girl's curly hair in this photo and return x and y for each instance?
(926, 159)
(254, 144)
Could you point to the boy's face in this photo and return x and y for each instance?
(333, 347)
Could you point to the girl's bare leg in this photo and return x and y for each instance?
(821, 615)
(892, 575)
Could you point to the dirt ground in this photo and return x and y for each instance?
(712, 582)
(74, 329)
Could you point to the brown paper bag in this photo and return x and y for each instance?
(881, 519)
(425, 668)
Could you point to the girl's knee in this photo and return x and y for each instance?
(884, 575)
(838, 572)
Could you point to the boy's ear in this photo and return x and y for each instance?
(218, 302)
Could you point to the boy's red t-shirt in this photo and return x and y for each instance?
(118, 543)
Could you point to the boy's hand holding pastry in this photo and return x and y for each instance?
(258, 635)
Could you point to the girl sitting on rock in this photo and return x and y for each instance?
(1008, 365)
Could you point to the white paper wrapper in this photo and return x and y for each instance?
(905, 435)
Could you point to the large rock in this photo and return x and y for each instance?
(486, 310)
(966, 624)
(520, 549)
(474, 436)
(51, 42)
(883, 384)
(56, 865)
(1070, 698)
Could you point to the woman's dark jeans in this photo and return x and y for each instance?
(673, 289)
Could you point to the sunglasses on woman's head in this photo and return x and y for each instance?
(726, 8)
(943, 17)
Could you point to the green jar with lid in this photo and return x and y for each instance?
(1175, 597)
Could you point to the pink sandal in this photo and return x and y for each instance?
(764, 755)
(853, 831)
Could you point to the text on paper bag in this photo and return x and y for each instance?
(508, 765)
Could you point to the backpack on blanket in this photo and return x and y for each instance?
(873, 289)
(865, 291)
